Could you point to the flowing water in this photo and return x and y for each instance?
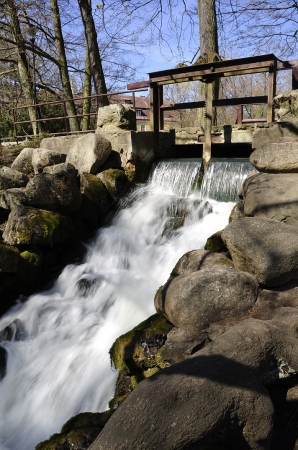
(58, 364)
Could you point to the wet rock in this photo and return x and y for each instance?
(263, 247)
(195, 300)
(94, 189)
(115, 181)
(13, 332)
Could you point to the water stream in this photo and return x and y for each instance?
(59, 365)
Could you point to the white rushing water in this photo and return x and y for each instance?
(60, 366)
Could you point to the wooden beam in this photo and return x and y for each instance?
(258, 100)
(138, 85)
(271, 93)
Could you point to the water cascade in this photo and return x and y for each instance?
(58, 363)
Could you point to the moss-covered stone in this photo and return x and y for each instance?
(115, 181)
(94, 189)
(32, 226)
(77, 433)
(30, 266)
(9, 258)
(215, 243)
(137, 355)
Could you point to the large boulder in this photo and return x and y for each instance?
(57, 192)
(215, 397)
(11, 178)
(12, 197)
(93, 188)
(26, 226)
(263, 247)
(280, 156)
(116, 116)
(9, 258)
(42, 158)
(195, 300)
(89, 153)
(199, 259)
(23, 162)
(60, 144)
(272, 195)
(270, 132)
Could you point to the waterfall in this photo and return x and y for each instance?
(59, 365)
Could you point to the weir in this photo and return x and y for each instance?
(58, 362)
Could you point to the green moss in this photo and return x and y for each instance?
(137, 354)
(94, 189)
(215, 244)
(78, 432)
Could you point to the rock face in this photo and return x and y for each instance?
(263, 247)
(286, 106)
(115, 181)
(272, 195)
(195, 300)
(60, 144)
(11, 178)
(277, 157)
(116, 116)
(42, 158)
(89, 153)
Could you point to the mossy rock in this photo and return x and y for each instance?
(215, 243)
(138, 171)
(77, 433)
(9, 258)
(30, 266)
(137, 355)
(94, 189)
(115, 181)
(32, 226)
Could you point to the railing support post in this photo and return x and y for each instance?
(271, 92)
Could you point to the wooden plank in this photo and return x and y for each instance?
(258, 100)
(271, 93)
(138, 85)
(286, 65)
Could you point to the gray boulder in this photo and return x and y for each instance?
(42, 158)
(272, 195)
(12, 197)
(11, 178)
(286, 105)
(280, 156)
(60, 144)
(23, 162)
(55, 192)
(89, 153)
(63, 166)
(117, 116)
(195, 300)
(26, 226)
(95, 191)
(263, 247)
(270, 132)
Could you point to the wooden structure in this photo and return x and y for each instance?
(208, 73)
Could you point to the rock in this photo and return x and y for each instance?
(42, 158)
(78, 432)
(14, 331)
(270, 132)
(116, 116)
(12, 197)
(263, 247)
(89, 153)
(94, 189)
(237, 212)
(11, 178)
(9, 258)
(272, 195)
(199, 259)
(26, 226)
(30, 266)
(3, 357)
(56, 192)
(60, 144)
(195, 300)
(115, 181)
(218, 393)
(280, 156)
(23, 162)
(63, 166)
(137, 355)
(113, 161)
(286, 105)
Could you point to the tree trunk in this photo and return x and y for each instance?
(23, 67)
(95, 59)
(208, 43)
(64, 75)
(87, 93)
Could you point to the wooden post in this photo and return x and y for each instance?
(294, 77)
(208, 126)
(154, 115)
(271, 92)
(239, 114)
(160, 111)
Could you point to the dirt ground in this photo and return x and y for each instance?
(8, 153)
